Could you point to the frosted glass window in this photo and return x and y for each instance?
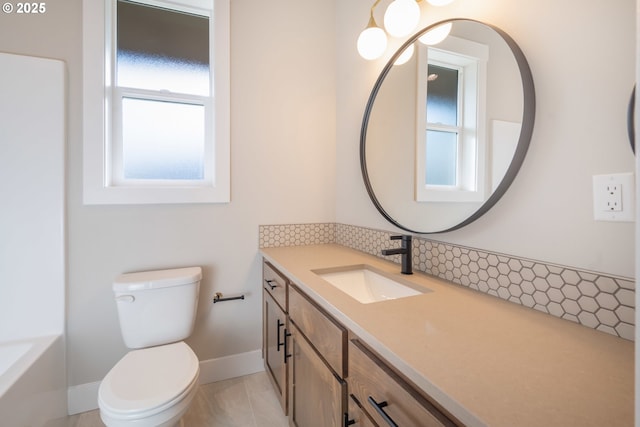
(442, 95)
(442, 158)
(162, 140)
(161, 49)
(154, 131)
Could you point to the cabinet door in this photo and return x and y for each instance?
(318, 396)
(274, 329)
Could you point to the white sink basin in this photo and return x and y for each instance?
(367, 285)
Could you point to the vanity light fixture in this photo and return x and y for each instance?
(372, 41)
(400, 19)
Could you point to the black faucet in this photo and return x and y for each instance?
(404, 250)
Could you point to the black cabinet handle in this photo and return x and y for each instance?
(347, 421)
(270, 285)
(280, 325)
(286, 355)
(380, 409)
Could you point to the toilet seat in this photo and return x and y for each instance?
(149, 381)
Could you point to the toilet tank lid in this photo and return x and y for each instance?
(157, 279)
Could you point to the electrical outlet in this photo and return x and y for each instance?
(614, 197)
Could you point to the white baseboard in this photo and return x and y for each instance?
(84, 397)
(236, 365)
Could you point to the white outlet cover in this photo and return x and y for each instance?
(626, 183)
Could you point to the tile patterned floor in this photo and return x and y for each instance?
(248, 401)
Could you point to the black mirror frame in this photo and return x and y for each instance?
(528, 119)
(631, 127)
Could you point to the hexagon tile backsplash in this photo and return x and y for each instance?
(596, 300)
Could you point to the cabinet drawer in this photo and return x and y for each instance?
(371, 381)
(275, 283)
(327, 336)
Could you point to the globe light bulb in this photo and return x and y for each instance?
(372, 43)
(436, 35)
(405, 56)
(439, 2)
(401, 17)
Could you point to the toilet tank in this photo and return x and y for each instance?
(157, 307)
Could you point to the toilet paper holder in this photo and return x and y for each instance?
(219, 298)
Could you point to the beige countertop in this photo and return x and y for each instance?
(487, 361)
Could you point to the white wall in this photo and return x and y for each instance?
(283, 170)
(582, 59)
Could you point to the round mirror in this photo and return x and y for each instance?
(444, 133)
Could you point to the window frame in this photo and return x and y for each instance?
(100, 186)
(470, 58)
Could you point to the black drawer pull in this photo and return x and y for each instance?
(379, 408)
(286, 335)
(347, 422)
(270, 285)
(280, 344)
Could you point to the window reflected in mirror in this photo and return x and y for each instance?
(443, 105)
(451, 137)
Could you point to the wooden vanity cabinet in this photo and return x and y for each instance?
(325, 376)
(303, 351)
(274, 330)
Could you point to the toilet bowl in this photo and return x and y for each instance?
(153, 385)
(150, 387)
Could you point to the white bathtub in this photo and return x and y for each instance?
(32, 383)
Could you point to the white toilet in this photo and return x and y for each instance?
(155, 384)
